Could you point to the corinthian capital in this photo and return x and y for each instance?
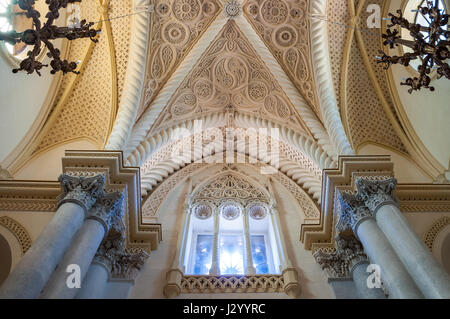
(108, 210)
(118, 260)
(349, 253)
(353, 212)
(376, 193)
(83, 191)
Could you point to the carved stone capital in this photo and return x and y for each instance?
(83, 191)
(353, 212)
(120, 262)
(376, 193)
(340, 263)
(108, 210)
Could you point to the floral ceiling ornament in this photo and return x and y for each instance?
(44, 33)
(232, 9)
(430, 44)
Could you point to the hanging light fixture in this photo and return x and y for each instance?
(430, 44)
(43, 33)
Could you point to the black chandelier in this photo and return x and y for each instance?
(431, 45)
(43, 33)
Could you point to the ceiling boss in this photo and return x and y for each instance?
(41, 34)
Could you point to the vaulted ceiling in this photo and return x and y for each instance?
(303, 66)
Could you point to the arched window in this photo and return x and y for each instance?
(243, 238)
(231, 229)
(231, 241)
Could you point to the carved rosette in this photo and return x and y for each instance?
(4, 174)
(376, 193)
(340, 263)
(108, 210)
(83, 191)
(232, 9)
(352, 213)
(257, 211)
(120, 262)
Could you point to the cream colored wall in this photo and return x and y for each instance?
(151, 280)
(405, 170)
(421, 223)
(23, 96)
(48, 166)
(33, 222)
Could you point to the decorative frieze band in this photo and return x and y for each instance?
(232, 283)
(19, 232)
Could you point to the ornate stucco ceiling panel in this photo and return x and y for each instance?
(121, 37)
(86, 104)
(337, 17)
(283, 26)
(176, 26)
(87, 111)
(230, 74)
(367, 121)
(372, 43)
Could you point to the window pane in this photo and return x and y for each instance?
(203, 254)
(259, 254)
(231, 255)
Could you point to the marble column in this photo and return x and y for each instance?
(106, 211)
(250, 269)
(349, 260)
(37, 265)
(428, 274)
(215, 264)
(112, 261)
(95, 282)
(356, 216)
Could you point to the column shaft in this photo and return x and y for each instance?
(37, 265)
(360, 276)
(94, 284)
(215, 265)
(81, 252)
(428, 274)
(398, 281)
(250, 269)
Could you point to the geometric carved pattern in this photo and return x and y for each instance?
(283, 26)
(430, 235)
(176, 26)
(153, 202)
(373, 45)
(309, 208)
(231, 73)
(19, 232)
(229, 187)
(232, 283)
(366, 117)
(87, 112)
(337, 17)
